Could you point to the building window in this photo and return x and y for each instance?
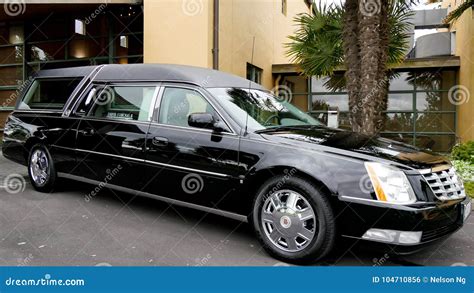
(254, 73)
(79, 27)
(65, 36)
(284, 5)
(418, 111)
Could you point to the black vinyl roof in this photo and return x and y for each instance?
(203, 77)
(80, 71)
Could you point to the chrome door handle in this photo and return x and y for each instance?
(159, 141)
(87, 132)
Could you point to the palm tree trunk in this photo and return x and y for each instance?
(366, 39)
(352, 60)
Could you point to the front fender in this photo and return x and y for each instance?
(341, 175)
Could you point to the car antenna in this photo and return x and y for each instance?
(250, 86)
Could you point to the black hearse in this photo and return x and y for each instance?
(216, 142)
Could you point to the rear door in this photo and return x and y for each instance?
(111, 137)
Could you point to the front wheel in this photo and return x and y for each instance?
(293, 220)
(41, 169)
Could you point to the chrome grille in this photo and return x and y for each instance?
(445, 184)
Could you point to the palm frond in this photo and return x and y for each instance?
(317, 43)
(317, 47)
(456, 13)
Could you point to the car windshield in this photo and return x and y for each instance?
(260, 110)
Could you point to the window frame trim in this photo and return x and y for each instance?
(155, 117)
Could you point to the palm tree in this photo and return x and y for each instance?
(456, 13)
(366, 36)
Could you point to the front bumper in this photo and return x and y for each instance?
(422, 223)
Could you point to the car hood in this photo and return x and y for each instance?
(348, 141)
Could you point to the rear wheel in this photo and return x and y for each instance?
(41, 168)
(293, 220)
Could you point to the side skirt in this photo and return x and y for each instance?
(160, 198)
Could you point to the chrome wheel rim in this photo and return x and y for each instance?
(39, 167)
(288, 220)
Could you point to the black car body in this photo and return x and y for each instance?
(177, 133)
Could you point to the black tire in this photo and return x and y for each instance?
(324, 234)
(50, 181)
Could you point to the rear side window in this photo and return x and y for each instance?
(123, 103)
(49, 94)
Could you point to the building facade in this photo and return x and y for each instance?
(243, 37)
(463, 32)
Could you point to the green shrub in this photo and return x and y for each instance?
(464, 152)
(469, 186)
(465, 170)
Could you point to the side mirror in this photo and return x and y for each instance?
(201, 120)
(206, 121)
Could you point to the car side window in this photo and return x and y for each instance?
(48, 94)
(122, 103)
(178, 103)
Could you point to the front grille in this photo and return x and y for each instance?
(445, 184)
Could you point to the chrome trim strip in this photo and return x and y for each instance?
(191, 170)
(108, 120)
(188, 169)
(76, 99)
(105, 154)
(378, 203)
(151, 110)
(193, 129)
(424, 171)
(218, 212)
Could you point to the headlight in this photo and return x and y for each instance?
(390, 183)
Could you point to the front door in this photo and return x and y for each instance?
(189, 164)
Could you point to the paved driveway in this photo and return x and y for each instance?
(62, 228)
